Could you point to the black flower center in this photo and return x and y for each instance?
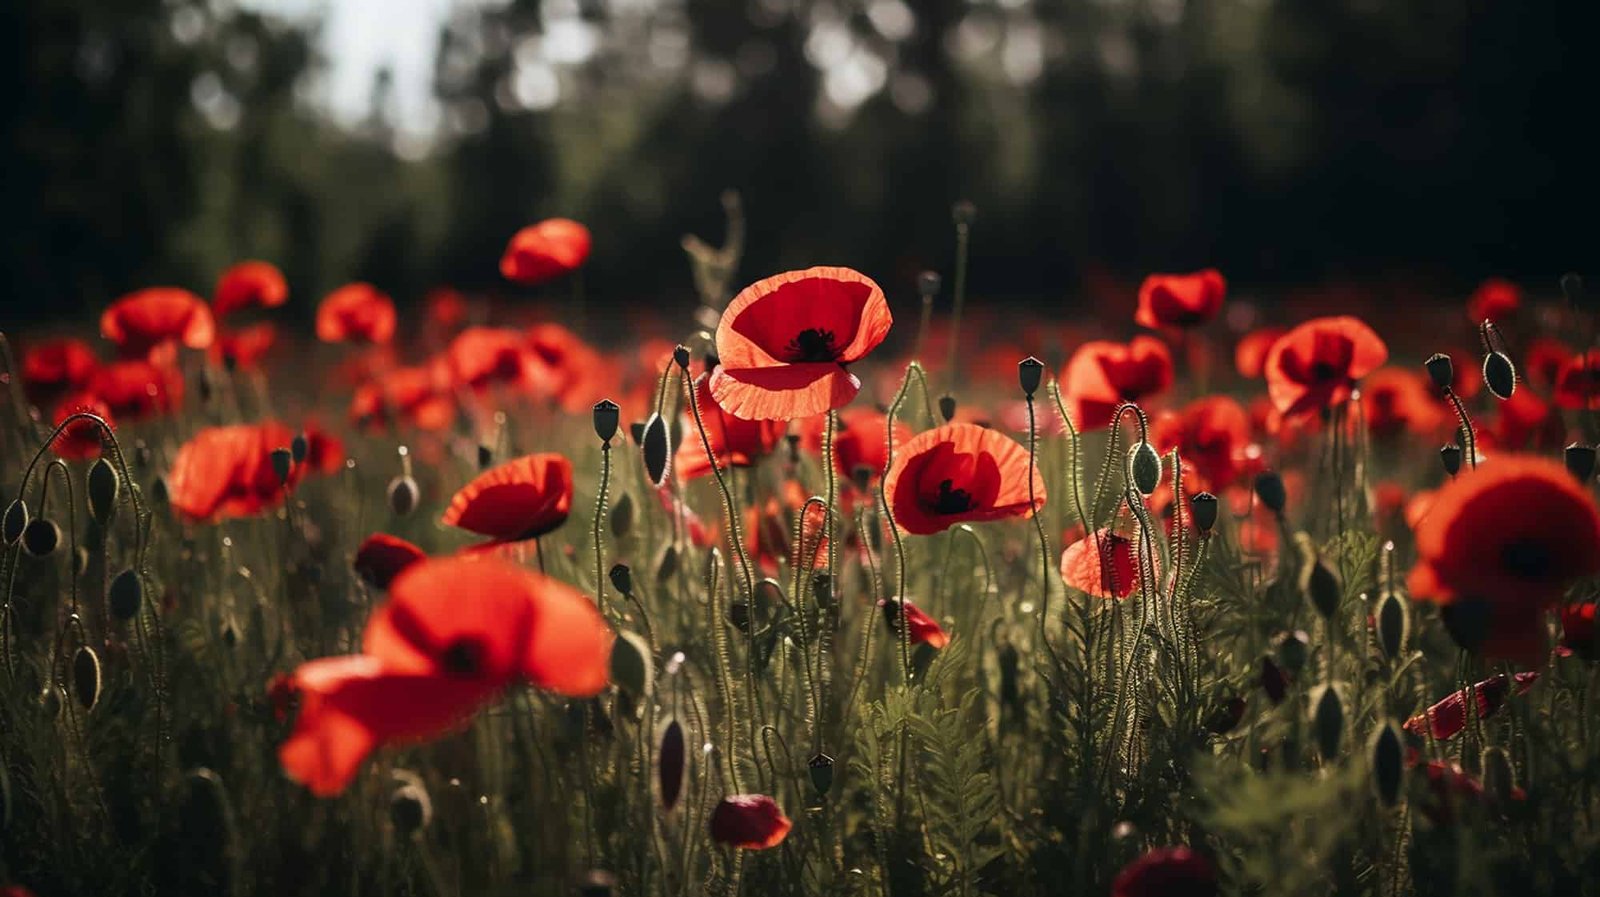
(464, 657)
(952, 501)
(812, 344)
(1324, 370)
(1526, 558)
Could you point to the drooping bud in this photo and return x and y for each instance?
(403, 494)
(657, 449)
(1580, 461)
(622, 578)
(739, 615)
(1327, 721)
(1274, 681)
(1450, 456)
(1226, 716)
(607, 417)
(947, 407)
(1393, 624)
(158, 490)
(86, 677)
(1387, 755)
(821, 769)
(1271, 492)
(667, 563)
(104, 488)
(1204, 508)
(622, 516)
(485, 457)
(125, 596)
(14, 522)
(631, 665)
(1499, 374)
(1293, 649)
(680, 356)
(1144, 468)
(282, 464)
(670, 764)
(1318, 583)
(1441, 370)
(40, 537)
(410, 808)
(1030, 372)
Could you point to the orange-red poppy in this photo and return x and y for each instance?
(518, 500)
(924, 630)
(1102, 564)
(243, 349)
(1542, 361)
(1180, 300)
(480, 357)
(1449, 716)
(136, 389)
(1524, 421)
(80, 439)
(1578, 381)
(1167, 872)
(769, 532)
(249, 284)
(417, 395)
(324, 450)
(545, 251)
(959, 473)
(1317, 364)
(1250, 355)
(1578, 631)
(381, 557)
(1102, 375)
(50, 367)
(735, 442)
(446, 309)
(228, 472)
(1399, 400)
(1496, 299)
(785, 343)
(157, 316)
(1210, 434)
(567, 369)
(356, 313)
(749, 822)
(860, 440)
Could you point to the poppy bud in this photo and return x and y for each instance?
(125, 595)
(14, 522)
(622, 516)
(1269, 488)
(1580, 460)
(1450, 457)
(1467, 620)
(282, 464)
(1572, 288)
(1500, 375)
(1167, 871)
(821, 769)
(667, 564)
(1226, 716)
(928, 284)
(597, 883)
(636, 430)
(1274, 681)
(104, 487)
(299, 447)
(1144, 468)
(657, 450)
(739, 615)
(1293, 648)
(631, 665)
(749, 821)
(670, 764)
(1441, 370)
(485, 457)
(403, 495)
(1327, 721)
(622, 578)
(1204, 509)
(1499, 776)
(1393, 623)
(40, 537)
(963, 212)
(51, 702)
(1388, 763)
(606, 418)
(86, 677)
(822, 588)
(158, 490)
(1318, 582)
(947, 407)
(1010, 666)
(410, 808)
(1030, 371)
(680, 355)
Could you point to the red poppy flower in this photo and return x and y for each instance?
(860, 440)
(1578, 381)
(1167, 872)
(1102, 375)
(1210, 435)
(1103, 564)
(1496, 299)
(735, 442)
(479, 357)
(135, 389)
(228, 472)
(925, 630)
(519, 500)
(356, 313)
(1449, 716)
(417, 395)
(1578, 631)
(446, 309)
(244, 348)
(324, 451)
(958, 473)
(784, 343)
(1180, 300)
(152, 317)
(381, 557)
(82, 438)
(1526, 421)
(54, 366)
(568, 369)
(749, 822)
(769, 533)
(1418, 506)
(1543, 360)
(1397, 401)
(545, 251)
(1317, 364)
(249, 284)
(1250, 355)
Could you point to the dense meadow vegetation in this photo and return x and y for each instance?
(1290, 597)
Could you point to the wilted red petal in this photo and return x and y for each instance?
(381, 557)
(958, 473)
(749, 821)
(1578, 631)
(356, 313)
(544, 251)
(145, 319)
(521, 499)
(249, 284)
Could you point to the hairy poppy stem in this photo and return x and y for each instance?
(1038, 525)
(599, 513)
(1468, 437)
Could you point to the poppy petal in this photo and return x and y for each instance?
(521, 499)
(785, 392)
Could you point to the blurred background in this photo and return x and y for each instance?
(1425, 142)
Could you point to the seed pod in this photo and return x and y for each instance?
(597, 883)
(1450, 456)
(51, 702)
(1441, 370)
(963, 212)
(125, 596)
(1318, 583)
(1499, 776)
(928, 284)
(1580, 461)
(947, 407)
(1388, 763)
(671, 761)
(1144, 468)
(636, 430)
(622, 516)
(158, 490)
(680, 356)
(820, 768)
(410, 807)
(607, 416)
(1203, 511)
(1328, 721)
(1393, 624)
(104, 487)
(86, 677)
(1271, 492)
(404, 495)
(40, 537)
(1227, 716)
(622, 578)
(667, 564)
(739, 616)
(485, 457)
(1274, 681)
(282, 464)
(1500, 375)
(299, 447)
(657, 450)
(1030, 371)
(631, 665)
(1010, 667)
(1293, 649)
(14, 522)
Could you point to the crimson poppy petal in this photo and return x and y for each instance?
(249, 284)
(521, 499)
(1101, 564)
(785, 392)
(749, 822)
(381, 557)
